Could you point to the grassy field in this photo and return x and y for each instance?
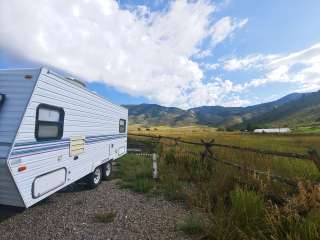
(296, 142)
(308, 129)
(228, 203)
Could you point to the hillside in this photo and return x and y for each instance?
(292, 110)
(153, 114)
(304, 111)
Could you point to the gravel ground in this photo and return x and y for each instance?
(71, 215)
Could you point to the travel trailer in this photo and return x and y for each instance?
(53, 132)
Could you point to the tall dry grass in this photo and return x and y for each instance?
(235, 204)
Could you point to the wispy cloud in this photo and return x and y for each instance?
(248, 62)
(225, 27)
(301, 67)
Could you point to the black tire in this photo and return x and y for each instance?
(107, 170)
(95, 178)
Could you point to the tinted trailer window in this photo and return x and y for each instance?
(2, 97)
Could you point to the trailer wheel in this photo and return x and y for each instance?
(94, 179)
(106, 170)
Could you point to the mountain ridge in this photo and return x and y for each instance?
(219, 116)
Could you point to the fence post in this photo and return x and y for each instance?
(315, 156)
(207, 152)
(207, 146)
(154, 166)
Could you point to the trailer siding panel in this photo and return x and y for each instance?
(17, 90)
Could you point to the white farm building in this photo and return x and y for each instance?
(273, 130)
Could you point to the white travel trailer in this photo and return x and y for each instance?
(53, 132)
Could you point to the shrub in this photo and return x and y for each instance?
(247, 209)
(136, 173)
(142, 185)
(191, 225)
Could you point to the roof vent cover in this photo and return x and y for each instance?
(76, 82)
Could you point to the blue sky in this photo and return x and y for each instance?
(175, 53)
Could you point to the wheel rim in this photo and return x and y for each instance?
(97, 176)
(108, 169)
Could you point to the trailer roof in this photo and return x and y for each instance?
(67, 78)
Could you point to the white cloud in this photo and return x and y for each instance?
(301, 68)
(224, 4)
(236, 101)
(225, 27)
(217, 92)
(203, 54)
(136, 51)
(210, 66)
(251, 61)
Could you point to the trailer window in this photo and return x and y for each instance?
(122, 126)
(2, 96)
(49, 122)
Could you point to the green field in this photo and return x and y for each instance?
(232, 203)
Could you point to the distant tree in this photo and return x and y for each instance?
(139, 129)
(148, 129)
(220, 129)
(229, 129)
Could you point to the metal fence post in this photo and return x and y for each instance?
(154, 166)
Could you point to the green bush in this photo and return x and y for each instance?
(247, 209)
(142, 185)
(191, 225)
(136, 173)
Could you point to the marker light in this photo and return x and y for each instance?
(22, 168)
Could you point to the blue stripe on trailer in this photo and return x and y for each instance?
(35, 147)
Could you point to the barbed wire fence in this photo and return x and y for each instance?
(207, 152)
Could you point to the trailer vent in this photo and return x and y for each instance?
(76, 145)
(76, 82)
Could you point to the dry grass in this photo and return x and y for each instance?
(236, 204)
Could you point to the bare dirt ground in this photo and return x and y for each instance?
(71, 214)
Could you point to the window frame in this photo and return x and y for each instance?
(3, 98)
(60, 123)
(125, 125)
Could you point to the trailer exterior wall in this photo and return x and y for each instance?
(17, 90)
(87, 115)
